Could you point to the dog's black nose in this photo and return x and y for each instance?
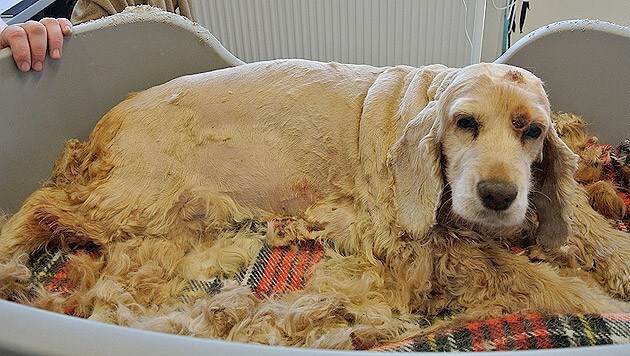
(496, 194)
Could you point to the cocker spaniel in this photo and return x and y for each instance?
(426, 175)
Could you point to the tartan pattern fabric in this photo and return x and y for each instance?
(199, 288)
(49, 268)
(523, 332)
(281, 269)
(274, 271)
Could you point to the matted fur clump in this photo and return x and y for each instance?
(412, 187)
(601, 168)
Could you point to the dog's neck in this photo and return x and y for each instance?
(518, 235)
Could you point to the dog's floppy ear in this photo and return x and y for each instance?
(554, 191)
(414, 162)
(415, 159)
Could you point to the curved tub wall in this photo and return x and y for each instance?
(585, 66)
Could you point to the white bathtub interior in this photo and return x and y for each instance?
(104, 61)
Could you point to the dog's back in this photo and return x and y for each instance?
(272, 135)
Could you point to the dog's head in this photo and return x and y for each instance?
(487, 134)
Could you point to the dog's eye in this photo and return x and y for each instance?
(533, 132)
(468, 123)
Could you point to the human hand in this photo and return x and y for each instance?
(29, 41)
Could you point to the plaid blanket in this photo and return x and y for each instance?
(275, 270)
(524, 332)
(279, 269)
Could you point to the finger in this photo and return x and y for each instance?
(38, 41)
(16, 38)
(55, 37)
(66, 26)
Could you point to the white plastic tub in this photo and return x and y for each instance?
(102, 62)
(585, 65)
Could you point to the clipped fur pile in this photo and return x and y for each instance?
(366, 160)
(603, 191)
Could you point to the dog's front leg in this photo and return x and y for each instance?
(595, 250)
(341, 224)
(604, 250)
(486, 280)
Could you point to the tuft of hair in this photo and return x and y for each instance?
(590, 165)
(515, 76)
(572, 130)
(603, 197)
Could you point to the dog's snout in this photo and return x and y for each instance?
(496, 194)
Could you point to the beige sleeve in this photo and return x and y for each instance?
(86, 10)
(185, 8)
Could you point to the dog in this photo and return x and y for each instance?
(416, 180)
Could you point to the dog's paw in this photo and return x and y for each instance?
(566, 256)
(603, 197)
(613, 274)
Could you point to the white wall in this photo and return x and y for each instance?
(544, 12)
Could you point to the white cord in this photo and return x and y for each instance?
(466, 22)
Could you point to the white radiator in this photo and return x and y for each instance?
(377, 32)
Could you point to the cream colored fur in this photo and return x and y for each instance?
(373, 157)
